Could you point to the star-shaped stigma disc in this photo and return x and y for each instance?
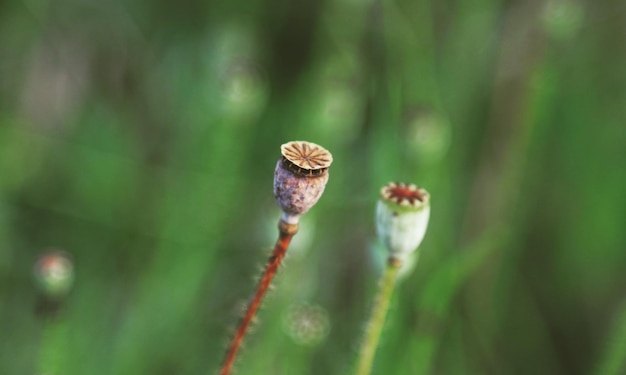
(305, 159)
(407, 195)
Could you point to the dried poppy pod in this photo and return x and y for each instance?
(402, 217)
(300, 177)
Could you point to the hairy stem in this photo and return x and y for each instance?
(377, 319)
(286, 232)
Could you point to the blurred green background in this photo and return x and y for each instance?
(141, 137)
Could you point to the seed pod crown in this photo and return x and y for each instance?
(305, 159)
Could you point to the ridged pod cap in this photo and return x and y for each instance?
(305, 159)
(300, 177)
(402, 215)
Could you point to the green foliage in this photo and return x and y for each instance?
(141, 137)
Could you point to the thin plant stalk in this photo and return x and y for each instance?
(52, 347)
(286, 232)
(54, 276)
(377, 319)
(613, 361)
(300, 177)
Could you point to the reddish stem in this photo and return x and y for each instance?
(286, 232)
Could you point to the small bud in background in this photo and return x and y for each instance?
(54, 274)
(402, 217)
(307, 325)
(236, 66)
(300, 178)
(562, 19)
(428, 135)
(244, 88)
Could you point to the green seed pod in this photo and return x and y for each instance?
(402, 217)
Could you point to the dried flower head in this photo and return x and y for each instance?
(305, 158)
(54, 274)
(300, 177)
(402, 217)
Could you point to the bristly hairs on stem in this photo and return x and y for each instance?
(300, 177)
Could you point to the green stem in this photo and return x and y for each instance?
(614, 356)
(52, 347)
(377, 320)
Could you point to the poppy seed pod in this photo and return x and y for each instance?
(300, 177)
(402, 217)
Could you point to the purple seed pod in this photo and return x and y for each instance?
(300, 178)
